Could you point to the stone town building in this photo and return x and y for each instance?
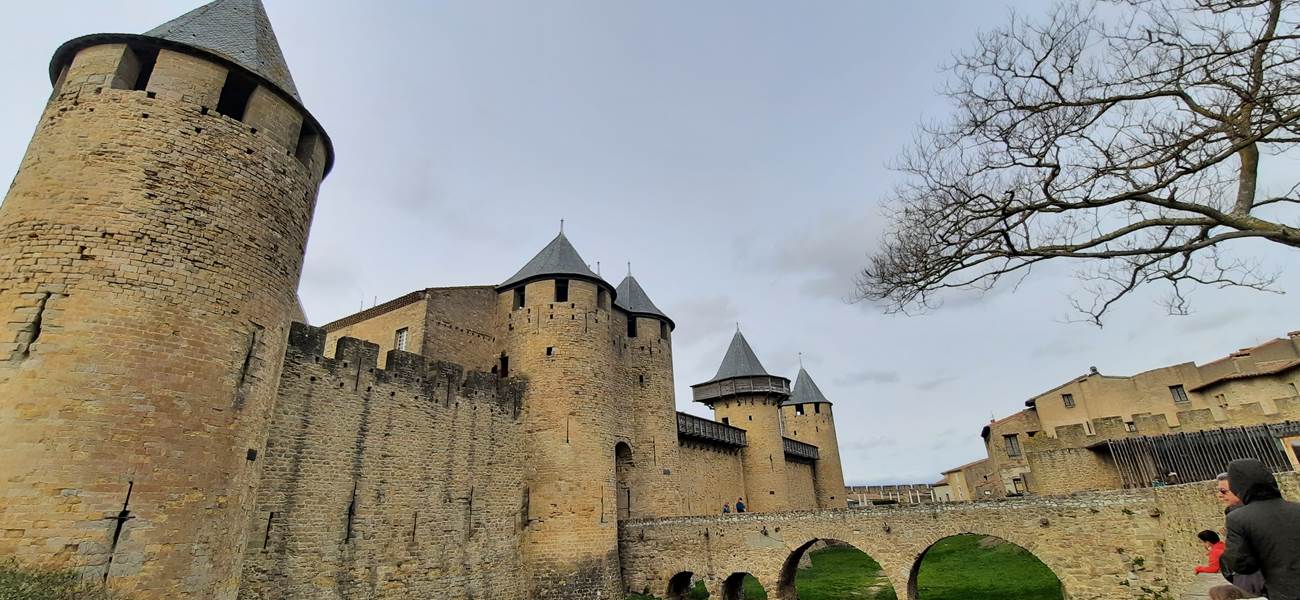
(168, 428)
(1064, 440)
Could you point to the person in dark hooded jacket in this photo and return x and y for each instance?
(1264, 533)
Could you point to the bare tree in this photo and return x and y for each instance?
(1125, 134)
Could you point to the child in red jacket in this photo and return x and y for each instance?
(1214, 546)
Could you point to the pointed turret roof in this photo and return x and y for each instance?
(236, 29)
(557, 258)
(740, 360)
(806, 390)
(633, 299)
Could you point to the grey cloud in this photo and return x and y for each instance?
(868, 376)
(936, 382)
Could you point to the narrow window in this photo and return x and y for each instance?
(631, 326)
(1130, 426)
(504, 366)
(519, 297)
(146, 58)
(817, 408)
(234, 96)
(1067, 400)
(561, 290)
(399, 339)
(602, 298)
(550, 350)
(308, 137)
(1179, 394)
(641, 380)
(798, 409)
(663, 330)
(1013, 444)
(726, 421)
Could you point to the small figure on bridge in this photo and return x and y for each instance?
(1214, 546)
(740, 505)
(726, 507)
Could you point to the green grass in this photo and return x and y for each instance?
(842, 573)
(24, 583)
(966, 567)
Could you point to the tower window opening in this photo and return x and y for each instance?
(631, 326)
(602, 298)
(663, 330)
(550, 350)
(726, 420)
(641, 380)
(561, 290)
(519, 298)
(817, 408)
(308, 137)
(235, 95)
(798, 410)
(399, 339)
(144, 60)
(503, 365)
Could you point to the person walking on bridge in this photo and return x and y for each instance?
(1264, 534)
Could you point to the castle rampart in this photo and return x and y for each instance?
(407, 479)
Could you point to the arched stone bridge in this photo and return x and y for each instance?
(1102, 545)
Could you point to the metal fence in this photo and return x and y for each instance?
(691, 426)
(1197, 456)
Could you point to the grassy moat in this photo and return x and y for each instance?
(964, 567)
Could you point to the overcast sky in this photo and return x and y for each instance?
(734, 152)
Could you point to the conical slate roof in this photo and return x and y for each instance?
(557, 258)
(236, 29)
(806, 390)
(740, 360)
(632, 298)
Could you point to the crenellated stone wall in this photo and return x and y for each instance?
(399, 482)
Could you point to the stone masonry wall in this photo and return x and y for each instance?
(801, 483)
(763, 458)
(462, 326)
(405, 482)
(149, 252)
(709, 477)
(381, 328)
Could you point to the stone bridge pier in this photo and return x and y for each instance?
(1101, 545)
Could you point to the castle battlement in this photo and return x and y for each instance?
(411, 375)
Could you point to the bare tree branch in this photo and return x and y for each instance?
(1126, 135)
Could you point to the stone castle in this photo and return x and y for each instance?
(169, 428)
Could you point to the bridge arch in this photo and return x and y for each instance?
(913, 579)
(680, 585)
(787, 579)
(733, 587)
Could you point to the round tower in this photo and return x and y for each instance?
(150, 249)
(742, 394)
(648, 483)
(808, 418)
(560, 335)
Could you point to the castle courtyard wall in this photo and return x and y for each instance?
(402, 482)
(709, 477)
(378, 325)
(800, 479)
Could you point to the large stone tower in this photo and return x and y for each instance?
(647, 484)
(742, 394)
(150, 248)
(560, 335)
(808, 418)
